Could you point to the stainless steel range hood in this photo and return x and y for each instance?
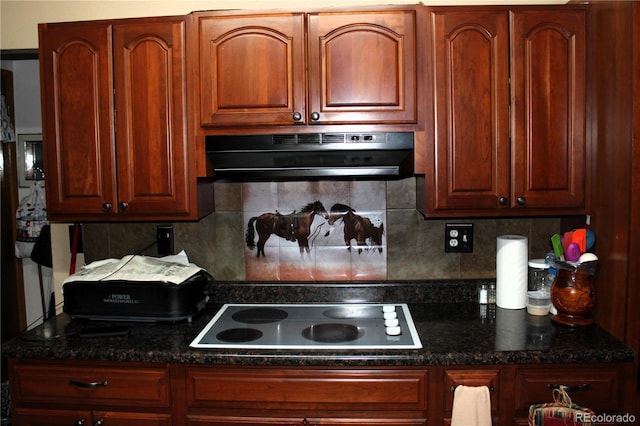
(384, 155)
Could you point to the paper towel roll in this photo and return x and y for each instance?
(512, 254)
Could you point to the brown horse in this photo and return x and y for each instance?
(357, 227)
(293, 227)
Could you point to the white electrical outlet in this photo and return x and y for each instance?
(458, 237)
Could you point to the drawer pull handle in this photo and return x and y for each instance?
(88, 385)
(491, 388)
(584, 386)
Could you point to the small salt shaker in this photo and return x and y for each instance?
(483, 294)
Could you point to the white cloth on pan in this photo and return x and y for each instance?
(471, 406)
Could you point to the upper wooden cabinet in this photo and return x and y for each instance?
(133, 167)
(76, 73)
(548, 86)
(347, 68)
(509, 103)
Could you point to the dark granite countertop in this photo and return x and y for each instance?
(451, 334)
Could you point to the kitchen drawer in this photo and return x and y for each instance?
(453, 378)
(392, 389)
(89, 383)
(57, 417)
(596, 388)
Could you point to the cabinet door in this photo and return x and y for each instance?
(548, 89)
(366, 421)
(150, 93)
(197, 420)
(116, 418)
(77, 119)
(55, 417)
(205, 420)
(252, 69)
(454, 378)
(296, 389)
(362, 67)
(81, 384)
(595, 387)
(472, 148)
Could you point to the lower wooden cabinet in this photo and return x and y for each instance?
(283, 421)
(89, 393)
(597, 387)
(50, 417)
(470, 377)
(39, 417)
(301, 396)
(204, 420)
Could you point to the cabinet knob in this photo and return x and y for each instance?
(503, 201)
(521, 201)
(79, 422)
(297, 116)
(99, 422)
(106, 207)
(315, 116)
(123, 205)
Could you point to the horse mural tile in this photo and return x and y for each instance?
(292, 236)
(340, 263)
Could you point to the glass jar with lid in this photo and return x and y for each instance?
(538, 271)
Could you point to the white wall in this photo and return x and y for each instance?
(26, 87)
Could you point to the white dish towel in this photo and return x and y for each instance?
(471, 406)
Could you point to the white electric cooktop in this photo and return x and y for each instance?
(310, 326)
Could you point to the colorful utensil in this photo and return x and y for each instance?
(579, 237)
(573, 252)
(558, 250)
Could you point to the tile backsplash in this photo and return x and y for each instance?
(414, 246)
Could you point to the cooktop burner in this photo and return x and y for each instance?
(310, 326)
(239, 335)
(260, 315)
(332, 333)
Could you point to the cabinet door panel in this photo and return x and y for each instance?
(51, 384)
(301, 389)
(548, 83)
(43, 417)
(197, 420)
(454, 378)
(362, 67)
(76, 79)
(367, 421)
(595, 388)
(151, 145)
(472, 151)
(131, 419)
(252, 69)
